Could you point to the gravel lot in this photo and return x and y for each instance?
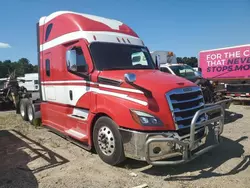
(35, 157)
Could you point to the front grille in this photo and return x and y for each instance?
(184, 103)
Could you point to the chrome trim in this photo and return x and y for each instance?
(139, 145)
(77, 117)
(191, 100)
(185, 90)
(198, 125)
(181, 119)
(134, 141)
(180, 90)
(192, 144)
(188, 109)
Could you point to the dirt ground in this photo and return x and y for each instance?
(35, 157)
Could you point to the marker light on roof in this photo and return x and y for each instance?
(94, 37)
(123, 40)
(128, 41)
(170, 53)
(118, 39)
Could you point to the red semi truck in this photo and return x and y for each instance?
(229, 68)
(93, 94)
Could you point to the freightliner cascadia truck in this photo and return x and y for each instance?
(93, 94)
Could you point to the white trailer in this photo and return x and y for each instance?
(30, 82)
(164, 57)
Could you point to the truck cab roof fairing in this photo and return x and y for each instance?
(90, 27)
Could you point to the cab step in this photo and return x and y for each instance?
(76, 134)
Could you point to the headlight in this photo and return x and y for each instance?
(145, 119)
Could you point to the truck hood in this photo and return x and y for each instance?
(153, 80)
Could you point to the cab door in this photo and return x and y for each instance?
(78, 65)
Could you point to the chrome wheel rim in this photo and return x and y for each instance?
(30, 113)
(106, 141)
(22, 110)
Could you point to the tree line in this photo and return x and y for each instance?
(191, 61)
(21, 67)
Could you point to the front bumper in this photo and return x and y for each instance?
(169, 147)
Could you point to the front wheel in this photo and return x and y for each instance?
(108, 141)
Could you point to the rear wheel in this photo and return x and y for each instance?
(18, 107)
(108, 141)
(30, 112)
(23, 109)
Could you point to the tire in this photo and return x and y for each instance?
(18, 108)
(30, 112)
(1, 106)
(23, 109)
(108, 141)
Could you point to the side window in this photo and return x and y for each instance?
(47, 66)
(76, 61)
(36, 81)
(48, 31)
(164, 69)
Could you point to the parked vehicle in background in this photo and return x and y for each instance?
(2, 82)
(95, 93)
(11, 92)
(198, 70)
(181, 70)
(229, 69)
(30, 82)
(164, 57)
(167, 63)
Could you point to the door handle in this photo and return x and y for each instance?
(70, 95)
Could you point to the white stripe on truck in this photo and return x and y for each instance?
(60, 94)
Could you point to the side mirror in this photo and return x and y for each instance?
(130, 77)
(72, 64)
(156, 63)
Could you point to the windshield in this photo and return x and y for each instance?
(183, 71)
(109, 56)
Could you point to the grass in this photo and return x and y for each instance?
(10, 120)
(37, 123)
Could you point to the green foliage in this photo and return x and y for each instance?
(22, 66)
(191, 61)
